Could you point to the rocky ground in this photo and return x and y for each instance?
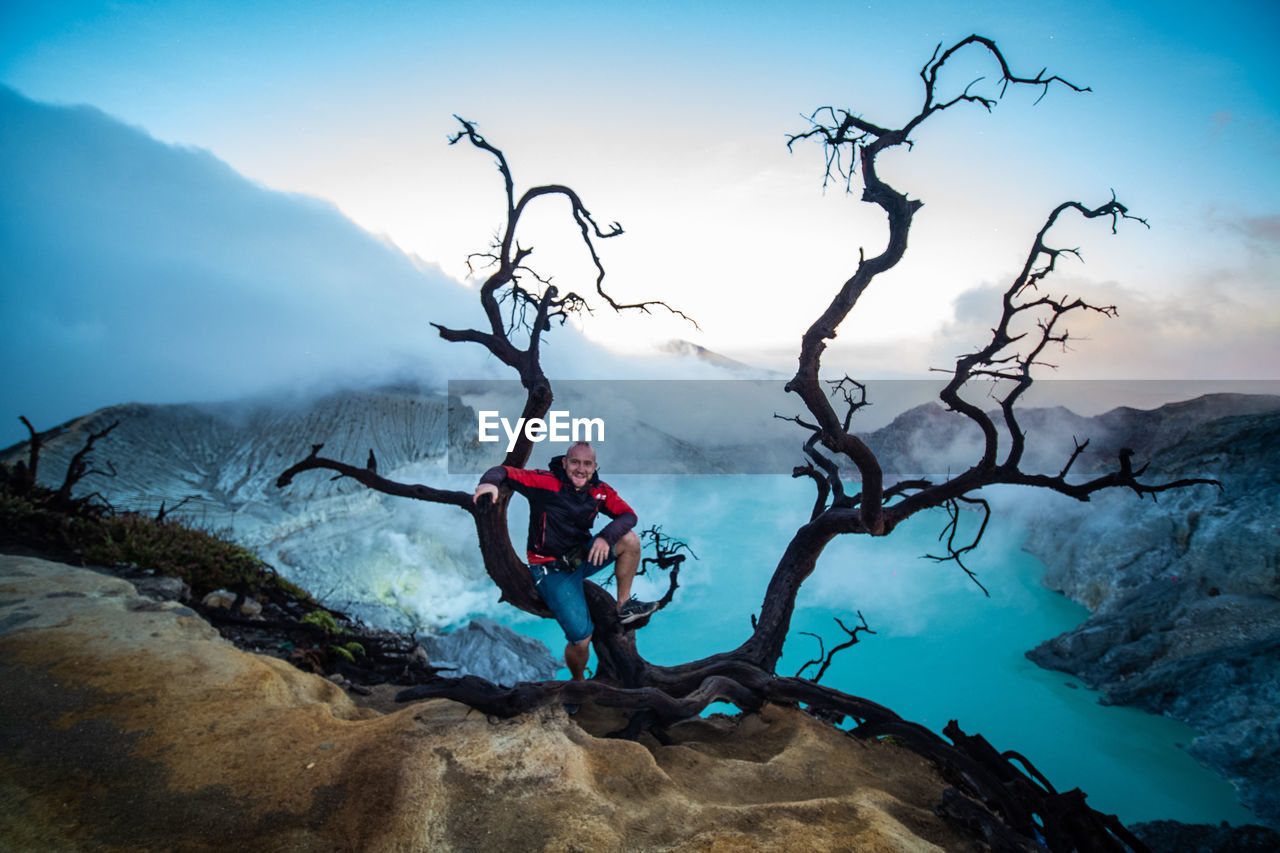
(1185, 596)
(128, 723)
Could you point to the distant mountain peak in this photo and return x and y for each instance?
(688, 349)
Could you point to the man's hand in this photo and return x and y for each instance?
(485, 489)
(599, 552)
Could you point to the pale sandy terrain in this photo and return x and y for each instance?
(129, 724)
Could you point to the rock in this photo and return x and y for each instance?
(1185, 596)
(219, 598)
(491, 651)
(928, 440)
(145, 730)
(224, 600)
(1166, 836)
(162, 587)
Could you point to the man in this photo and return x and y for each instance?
(563, 505)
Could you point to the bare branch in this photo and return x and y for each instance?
(163, 513)
(1075, 454)
(667, 557)
(839, 498)
(852, 405)
(901, 488)
(824, 488)
(956, 553)
(852, 641)
(370, 479)
(79, 468)
(930, 75)
(822, 653)
(508, 257)
(33, 450)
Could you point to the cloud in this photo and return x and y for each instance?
(1205, 309)
(1217, 324)
(139, 271)
(976, 307)
(1263, 230)
(142, 272)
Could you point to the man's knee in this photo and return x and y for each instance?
(584, 644)
(629, 543)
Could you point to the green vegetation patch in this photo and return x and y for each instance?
(89, 532)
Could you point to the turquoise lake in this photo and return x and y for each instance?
(942, 649)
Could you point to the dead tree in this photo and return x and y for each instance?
(25, 473)
(519, 307)
(1030, 321)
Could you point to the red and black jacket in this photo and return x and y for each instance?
(560, 516)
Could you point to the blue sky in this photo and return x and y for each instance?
(671, 118)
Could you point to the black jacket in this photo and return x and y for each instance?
(560, 516)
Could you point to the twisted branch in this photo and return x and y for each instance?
(79, 468)
(369, 478)
(823, 661)
(956, 553)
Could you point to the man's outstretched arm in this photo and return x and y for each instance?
(624, 519)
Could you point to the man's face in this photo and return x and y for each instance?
(580, 464)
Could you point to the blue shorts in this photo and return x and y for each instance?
(562, 591)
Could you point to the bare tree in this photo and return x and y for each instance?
(25, 473)
(518, 302)
(519, 305)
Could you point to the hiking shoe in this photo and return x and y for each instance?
(635, 609)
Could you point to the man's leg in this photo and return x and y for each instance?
(628, 552)
(576, 656)
(562, 592)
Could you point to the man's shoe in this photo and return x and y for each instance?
(635, 609)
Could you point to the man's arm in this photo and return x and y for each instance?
(520, 479)
(624, 517)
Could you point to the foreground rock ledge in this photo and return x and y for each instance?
(129, 724)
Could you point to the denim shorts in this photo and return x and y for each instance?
(562, 591)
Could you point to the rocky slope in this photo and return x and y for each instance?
(1184, 592)
(1185, 597)
(128, 724)
(928, 440)
(223, 460)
